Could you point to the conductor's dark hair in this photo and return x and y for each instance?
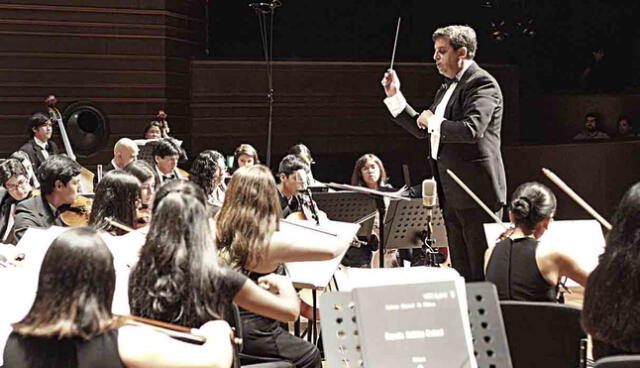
(56, 167)
(531, 203)
(36, 120)
(117, 197)
(459, 36)
(610, 310)
(11, 167)
(166, 147)
(290, 164)
(75, 289)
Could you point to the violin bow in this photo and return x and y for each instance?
(120, 226)
(476, 199)
(571, 193)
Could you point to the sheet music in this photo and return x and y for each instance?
(317, 274)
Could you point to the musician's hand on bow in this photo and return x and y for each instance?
(423, 119)
(390, 83)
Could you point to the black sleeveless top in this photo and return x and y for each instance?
(255, 321)
(513, 269)
(51, 352)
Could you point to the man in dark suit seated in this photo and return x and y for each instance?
(463, 127)
(40, 146)
(15, 189)
(59, 178)
(125, 151)
(165, 155)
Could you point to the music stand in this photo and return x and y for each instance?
(381, 206)
(348, 206)
(406, 222)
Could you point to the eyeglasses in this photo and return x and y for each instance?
(20, 183)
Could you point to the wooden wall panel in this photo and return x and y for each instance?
(334, 107)
(129, 57)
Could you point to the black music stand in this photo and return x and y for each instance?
(348, 206)
(405, 226)
(379, 197)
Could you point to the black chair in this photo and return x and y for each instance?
(247, 360)
(619, 361)
(543, 334)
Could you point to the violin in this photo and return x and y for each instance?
(77, 213)
(143, 217)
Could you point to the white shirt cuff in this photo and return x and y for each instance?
(396, 104)
(434, 124)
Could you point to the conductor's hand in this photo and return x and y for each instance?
(423, 119)
(390, 83)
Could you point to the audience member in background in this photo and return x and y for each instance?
(610, 309)
(15, 189)
(26, 162)
(125, 151)
(178, 278)
(600, 74)
(591, 131)
(368, 172)
(245, 155)
(208, 170)
(519, 266)
(70, 324)
(148, 187)
(302, 151)
(117, 197)
(625, 128)
(248, 241)
(166, 154)
(40, 146)
(59, 178)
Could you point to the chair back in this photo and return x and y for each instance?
(543, 334)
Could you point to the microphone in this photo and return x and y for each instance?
(429, 194)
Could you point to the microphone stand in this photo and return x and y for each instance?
(429, 251)
(262, 8)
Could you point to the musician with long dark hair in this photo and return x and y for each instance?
(70, 324)
(248, 241)
(521, 267)
(178, 278)
(117, 197)
(610, 309)
(208, 170)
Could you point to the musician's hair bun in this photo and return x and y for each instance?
(532, 202)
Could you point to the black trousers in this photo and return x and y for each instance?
(467, 243)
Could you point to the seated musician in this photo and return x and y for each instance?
(208, 171)
(153, 130)
(59, 178)
(117, 197)
(248, 241)
(40, 146)
(292, 175)
(26, 162)
(70, 324)
(166, 154)
(302, 151)
(16, 188)
(610, 308)
(245, 155)
(520, 267)
(368, 172)
(178, 278)
(149, 184)
(125, 151)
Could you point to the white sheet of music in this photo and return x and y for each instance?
(317, 274)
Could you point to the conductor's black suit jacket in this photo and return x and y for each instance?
(469, 140)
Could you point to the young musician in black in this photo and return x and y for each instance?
(40, 146)
(15, 189)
